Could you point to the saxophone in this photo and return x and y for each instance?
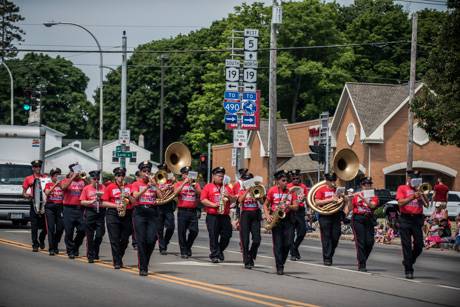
(125, 201)
(278, 214)
(223, 199)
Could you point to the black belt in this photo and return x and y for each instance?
(411, 215)
(146, 206)
(72, 206)
(187, 209)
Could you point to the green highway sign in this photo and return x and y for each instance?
(123, 154)
(118, 148)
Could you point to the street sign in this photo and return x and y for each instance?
(123, 154)
(251, 32)
(249, 107)
(250, 55)
(230, 119)
(240, 137)
(232, 74)
(249, 87)
(232, 107)
(232, 63)
(232, 95)
(124, 137)
(233, 156)
(250, 64)
(118, 148)
(250, 43)
(231, 86)
(249, 96)
(249, 120)
(250, 75)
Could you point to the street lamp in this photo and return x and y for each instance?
(101, 76)
(11, 92)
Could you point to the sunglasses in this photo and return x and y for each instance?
(283, 180)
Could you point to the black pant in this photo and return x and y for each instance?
(165, 220)
(187, 220)
(54, 225)
(220, 231)
(95, 230)
(299, 228)
(250, 225)
(282, 240)
(330, 229)
(145, 220)
(37, 221)
(410, 231)
(363, 229)
(73, 221)
(119, 229)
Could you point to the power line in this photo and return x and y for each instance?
(429, 2)
(126, 26)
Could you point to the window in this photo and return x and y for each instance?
(452, 197)
(133, 159)
(392, 181)
(115, 159)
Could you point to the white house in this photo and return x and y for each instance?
(62, 157)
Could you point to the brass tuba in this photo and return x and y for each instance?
(346, 166)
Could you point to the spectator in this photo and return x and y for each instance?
(389, 235)
(440, 193)
(440, 212)
(457, 234)
(379, 234)
(433, 238)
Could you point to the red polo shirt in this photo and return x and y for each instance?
(89, 193)
(73, 191)
(360, 207)
(56, 196)
(149, 197)
(112, 194)
(302, 195)
(441, 192)
(249, 203)
(211, 192)
(415, 206)
(275, 195)
(187, 197)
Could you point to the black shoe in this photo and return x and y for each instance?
(163, 252)
(71, 256)
(409, 275)
(34, 249)
(76, 254)
(42, 245)
(51, 253)
(117, 266)
(189, 253)
(215, 260)
(327, 262)
(143, 273)
(293, 258)
(56, 251)
(280, 271)
(90, 260)
(298, 257)
(248, 266)
(362, 269)
(96, 258)
(184, 256)
(221, 257)
(135, 248)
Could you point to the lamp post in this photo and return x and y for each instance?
(11, 92)
(101, 76)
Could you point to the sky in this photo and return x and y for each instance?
(143, 20)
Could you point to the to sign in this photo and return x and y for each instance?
(250, 75)
(240, 138)
(250, 43)
(232, 74)
(124, 136)
(249, 96)
(232, 107)
(232, 95)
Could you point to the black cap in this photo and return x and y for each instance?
(297, 172)
(119, 171)
(242, 171)
(94, 174)
(162, 166)
(137, 174)
(35, 163)
(366, 180)
(145, 164)
(218, 170)
(280, 174)
(413, 174)
(55, 171)
(185, 169)
(247, 176)
(330, 177)
(71, 166)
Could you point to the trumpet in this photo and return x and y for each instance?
(425, 188)
(257, 192)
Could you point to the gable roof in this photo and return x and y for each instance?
(373, 103)
(56, 150)
(59, 133)
(284, 148)
(302, 162)
(86, 144)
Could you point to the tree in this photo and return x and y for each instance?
(9, 32)
(438, 107)
(64, 102)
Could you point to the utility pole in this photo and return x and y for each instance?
(162, 58)
(410, 119)
(272, 133)
(124, 84)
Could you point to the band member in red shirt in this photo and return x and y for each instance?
(187, 219)
(362, 222)
(166, 223)
(217, 197)
(279, 197)
(117, 198)
(440, 191)
(37, 221)
(53, 212)
(94, 215)
(145, 216)
(73, 212)
(300, 226)
(330, 225)
(250, 218)
(411, 203)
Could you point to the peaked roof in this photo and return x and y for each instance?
(373, 103)
(284, 148)
(86, 144)
(57, 150)
(302, 162)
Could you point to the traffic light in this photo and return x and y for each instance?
(318, 153)
(203, 168)
(27, 105)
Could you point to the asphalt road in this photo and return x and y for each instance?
(36, 279)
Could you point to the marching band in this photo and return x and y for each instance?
(145, 209)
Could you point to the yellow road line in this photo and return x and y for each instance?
(227, 291)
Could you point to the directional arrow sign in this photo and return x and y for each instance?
(249, 120)
(230, 119)
(249, 87)
(250, 55)
(249, 96)
(232, 107)
(231, 86)
(232, 95)
(250, 107)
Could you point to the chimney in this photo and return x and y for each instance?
(141, 140)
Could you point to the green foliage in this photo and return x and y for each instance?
(438, 108)
(9, 32)
(65, 107)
